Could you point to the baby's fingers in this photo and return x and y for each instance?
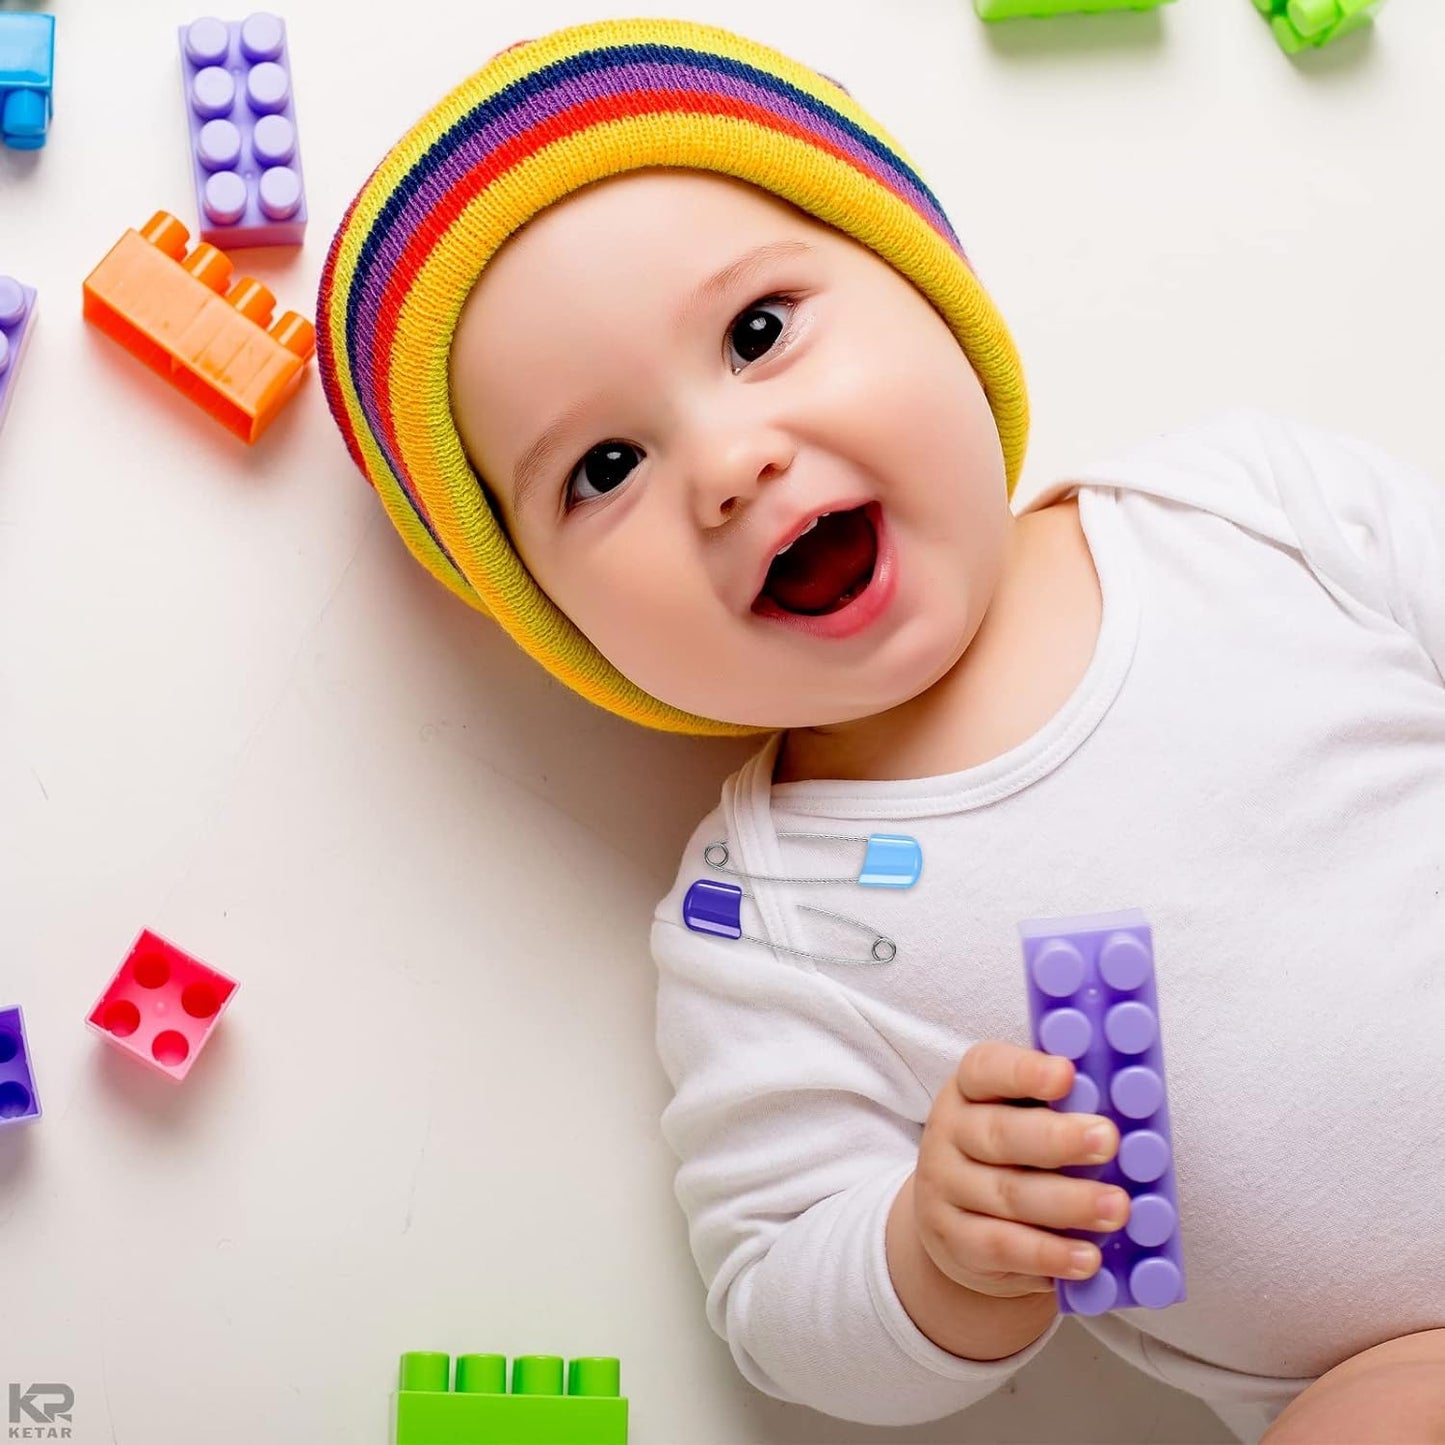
(1037, 1196)
(995, 1070)
(1037, 1138)
(982, 1248)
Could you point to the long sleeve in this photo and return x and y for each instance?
(796, 1124)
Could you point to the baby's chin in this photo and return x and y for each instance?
(811, 684)
(799, 709)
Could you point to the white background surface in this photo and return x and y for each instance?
(232, 709)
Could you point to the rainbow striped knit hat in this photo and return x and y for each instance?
(537, 122)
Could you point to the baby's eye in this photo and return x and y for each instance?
(605, 467)
(755, 330)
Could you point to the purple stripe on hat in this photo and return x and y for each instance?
(578, 90)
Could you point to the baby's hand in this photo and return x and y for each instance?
(985, 1175)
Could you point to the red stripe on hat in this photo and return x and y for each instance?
(518, 149)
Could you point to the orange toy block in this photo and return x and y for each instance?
(174, 312)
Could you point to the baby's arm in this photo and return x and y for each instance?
(1394, 1391)
(796, 1126)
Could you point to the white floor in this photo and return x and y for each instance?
(232, 710)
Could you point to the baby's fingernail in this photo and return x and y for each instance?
(1111, 1216)
(1081, 1260)
(1098, 1141)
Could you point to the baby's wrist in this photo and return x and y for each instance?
(970, 1325)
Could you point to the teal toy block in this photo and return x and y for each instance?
(478, 1409)
(27, 73)
(1299, 24)
(1038, 9)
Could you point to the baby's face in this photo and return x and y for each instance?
(665, 379)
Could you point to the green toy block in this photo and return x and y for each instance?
(1300, 23)
(479, 1410)
(1014, 9)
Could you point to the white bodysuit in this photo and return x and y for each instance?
(1256, 759)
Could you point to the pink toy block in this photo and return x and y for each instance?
(161, 1006)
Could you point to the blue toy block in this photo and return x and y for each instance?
(1092, 999)
(19, 1102)
(17, 320)
(27, 73)
(245, 156)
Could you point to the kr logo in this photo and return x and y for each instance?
(25, 1405)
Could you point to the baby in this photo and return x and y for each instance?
(660, 353)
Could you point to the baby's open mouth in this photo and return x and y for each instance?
(826, 568)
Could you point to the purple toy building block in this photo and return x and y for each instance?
(19, 1103)
(17, 319)
(244, 151)
(1092, 999)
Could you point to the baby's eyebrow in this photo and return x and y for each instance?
(735, 272)
(532, 463)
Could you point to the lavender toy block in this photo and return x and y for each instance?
(1092, 999)
(19, 1103)
(244, 152)
(27, 75)
(161, 1006)
(17, 319)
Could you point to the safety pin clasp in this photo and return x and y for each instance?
(717, 908)
(892, 860)
(710, 907)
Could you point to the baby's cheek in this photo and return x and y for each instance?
(643, 611)
(920, 401)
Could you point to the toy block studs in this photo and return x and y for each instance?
(245, 156)
(19, 1102)
(1092, 999)
(27, 70)
(1300, 24)
(478, 1409)
(17, 318)
(161, 1006)
(173, 312)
